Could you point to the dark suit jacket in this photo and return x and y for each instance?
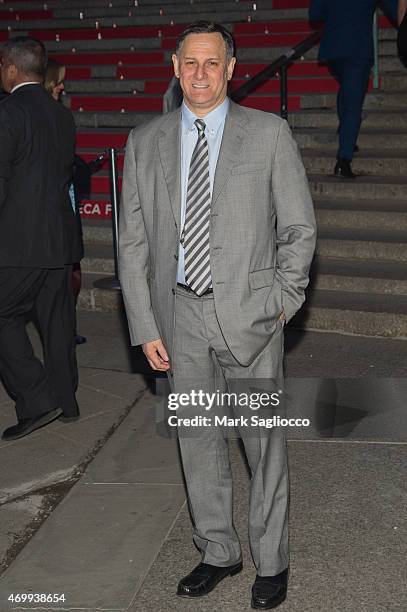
(348, 31)
(38, 227)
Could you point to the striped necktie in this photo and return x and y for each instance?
(195, 235)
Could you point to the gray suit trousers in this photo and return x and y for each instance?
(202, 361)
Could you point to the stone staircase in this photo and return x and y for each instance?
(118, 54)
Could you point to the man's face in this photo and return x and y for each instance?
(203, 71)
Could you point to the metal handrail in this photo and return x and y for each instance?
(280, 65)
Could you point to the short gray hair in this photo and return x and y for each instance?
(27, 54)
(208, 27)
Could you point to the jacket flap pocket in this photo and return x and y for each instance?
(243, 168)
(261, 278)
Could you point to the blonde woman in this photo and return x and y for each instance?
(54, 78)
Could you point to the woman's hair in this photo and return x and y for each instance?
(54, 74)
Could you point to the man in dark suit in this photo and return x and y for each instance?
(39, 239)
(347, 47)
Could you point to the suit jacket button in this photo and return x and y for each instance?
(173, 291)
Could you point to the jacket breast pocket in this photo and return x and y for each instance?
(261, 278)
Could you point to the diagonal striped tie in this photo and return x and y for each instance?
(195, 235)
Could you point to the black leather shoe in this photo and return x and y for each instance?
(269, 591)
(80, 339)
(343, 169)
(26, 426)
(204, 578)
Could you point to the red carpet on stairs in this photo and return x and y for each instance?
(151, 67)
(291, 4)
(135, 103)
(78, 73)
(23, 15)
(272, 27)
(118, 57)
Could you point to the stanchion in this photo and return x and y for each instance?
(112, 282)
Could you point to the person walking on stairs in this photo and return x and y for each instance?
(347, 47)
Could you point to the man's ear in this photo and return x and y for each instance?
(175, 62)
(12, 71)
(231, 67)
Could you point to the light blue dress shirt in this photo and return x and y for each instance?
(215, 122)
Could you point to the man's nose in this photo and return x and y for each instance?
(200, 72)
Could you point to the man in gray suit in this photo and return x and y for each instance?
(217, 233)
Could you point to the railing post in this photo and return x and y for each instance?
(376, 75)
(113, 282)
(284, 91)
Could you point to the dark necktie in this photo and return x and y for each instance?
(195, 235)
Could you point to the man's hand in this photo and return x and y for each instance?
(156, 355)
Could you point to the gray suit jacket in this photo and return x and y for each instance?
(262, 229)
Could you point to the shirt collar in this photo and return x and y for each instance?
(213, 120)
(22, 85)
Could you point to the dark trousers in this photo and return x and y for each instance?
(353, 78)
(402, 40)
(46, 294)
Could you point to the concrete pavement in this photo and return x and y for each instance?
(120, 536)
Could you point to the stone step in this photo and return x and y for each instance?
(382, 120)
(97, 232)
(344, 311)
(326, 273)
(372, 119)
(98, 259)
(389, 34)
(307, 100)
(104, 86)
(350, 312)
(359, 276)
(104, 46)
(390, 63)
(394, 81)
(171, 8)
(369, 139)
(374, 100)
(387, 47)
(344, 243)
(383, 163)
(364, 187)
(382, 206)
(86, 4)
(111, 119)
(362, 219)
(119, 15)
(150, 15)
(359, 249)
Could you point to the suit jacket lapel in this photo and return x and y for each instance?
(232, 141)
(169, 145)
